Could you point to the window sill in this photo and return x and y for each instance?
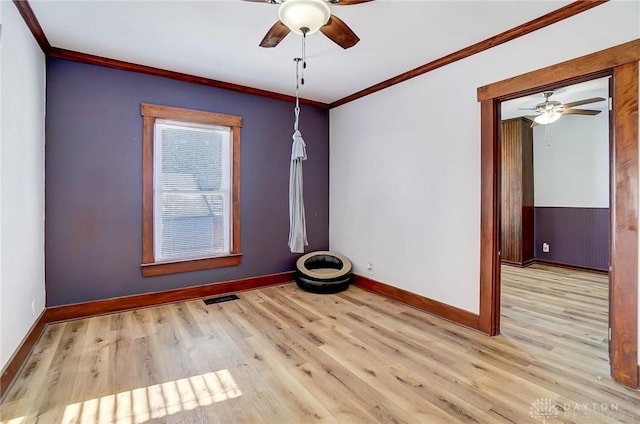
(164, 268)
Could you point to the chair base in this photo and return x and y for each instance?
(323, 288)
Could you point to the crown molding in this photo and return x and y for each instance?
(550, 18)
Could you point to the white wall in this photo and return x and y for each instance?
(22, 94)
(405, 161)
(571, 162)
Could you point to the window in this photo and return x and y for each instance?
(191, 190)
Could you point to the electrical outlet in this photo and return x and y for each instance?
(545, 247)
(370, 266)
(33, 308)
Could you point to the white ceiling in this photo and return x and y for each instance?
(218, 39)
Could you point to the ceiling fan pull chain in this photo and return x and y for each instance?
(546, 128)
(300, 74)
(304, 54)
(297, 108)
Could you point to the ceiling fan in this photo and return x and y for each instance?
(551, 110)
(308, 16)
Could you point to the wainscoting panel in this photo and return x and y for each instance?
(576, 236)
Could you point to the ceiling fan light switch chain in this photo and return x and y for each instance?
(304, 53)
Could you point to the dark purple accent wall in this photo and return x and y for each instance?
(93, 180)
(577, 236)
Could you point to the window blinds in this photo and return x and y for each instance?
(192, 184)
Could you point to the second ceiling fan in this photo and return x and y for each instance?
(308, 16)
(551, 110)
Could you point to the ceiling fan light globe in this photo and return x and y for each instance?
(547, 117)
(298, 14)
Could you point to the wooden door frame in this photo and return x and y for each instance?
(622, 63)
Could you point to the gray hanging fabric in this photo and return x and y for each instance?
(297, 220)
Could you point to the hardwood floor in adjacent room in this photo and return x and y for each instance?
(281, 355)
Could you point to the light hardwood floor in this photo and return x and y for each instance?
(281, 355)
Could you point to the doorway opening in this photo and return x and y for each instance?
(555, 224)
(621, 62)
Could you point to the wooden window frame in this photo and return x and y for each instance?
(150, 113)
(621, 62)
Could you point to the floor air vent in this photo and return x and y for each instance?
(220, 299)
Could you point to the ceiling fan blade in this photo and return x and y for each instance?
(339, 33)
(583, 102)
(347, 2)
(275, 35)
(580, 112)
